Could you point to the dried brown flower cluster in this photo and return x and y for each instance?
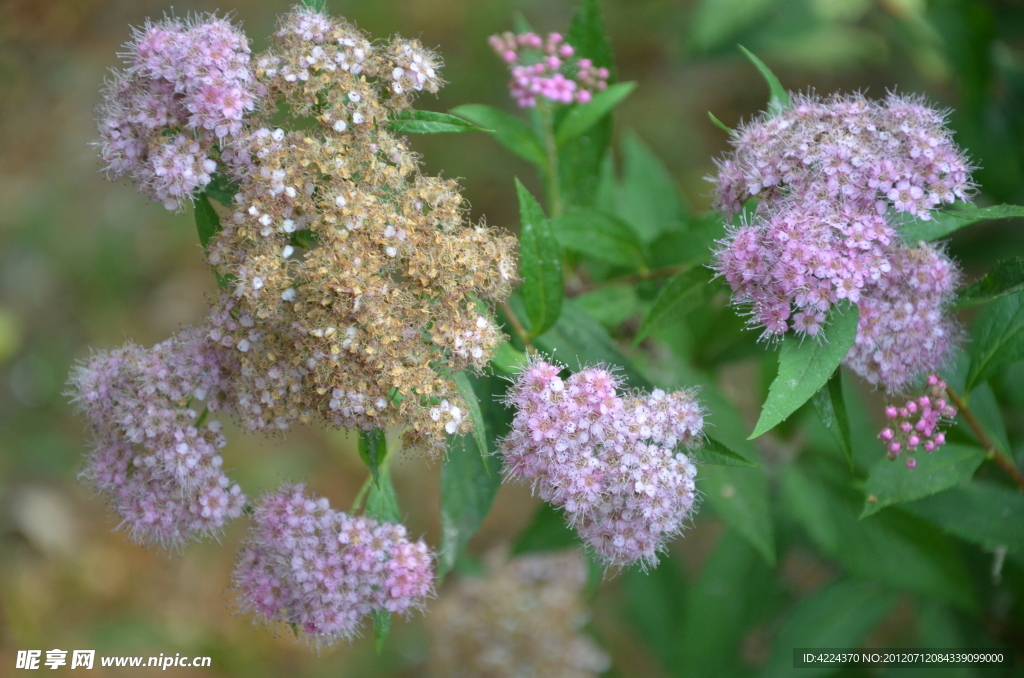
(356, 286)
(522, 620)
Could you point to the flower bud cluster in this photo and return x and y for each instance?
(609, 462)
(831, 176)
(324, 571)
(156, 463)
(917, 422)
(356, 284)
(186, 87)
(524, 619)
(546, 67)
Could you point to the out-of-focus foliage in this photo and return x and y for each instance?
(807, 535)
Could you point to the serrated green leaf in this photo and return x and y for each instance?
(381, 628)
(719, 124)
(1006, 277)
(547, 531)
(656, 602)
(953, 219)
(207, 221)
(891, 546)
(431, 122)
(681, 295)
(841, 614)
(805, 365)
(468, 488)
(373, 448)
(715, 452)
(510, 132)
(997, 338)
(980, 512)
(651, 201)
(581, 117)
(740, 497)
(831, 407)
(588, 36)
(507, 359)
(381, 500)
(473, 404)
(601, 236)
(778, 99)
(988, 413)
(891, 482)
(540, 264)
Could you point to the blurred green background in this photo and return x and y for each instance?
(87, 263)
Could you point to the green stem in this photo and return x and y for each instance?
(201, 419)
(518, 328)
(551, 151)
(992, 451)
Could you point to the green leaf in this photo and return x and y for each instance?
(841, 614)
(722, 607)
(953, 219)
(805, 365)
(719, 124)
(540, 263)
(507, 359)
(373, 448)
(382, 502)
(578, 338)
(656, 602)
(473, 405)
(581, 117)
(997, 338)
(207, 221)
(1006, 277)
(651, 202)
(381, 628)
(740, 497)
(980, 512)
(221, 189)
(691, 246)
(609, 305)
(588, 35)
(431, 122)
(717, 23)
(510, 132)
(891, 546)
(831, 407)
(547, 531)
(468, 488)
(891, 482)
(316, 5)
(601, 236)
(986, 410)
(677, 298)
(778, 100)
(715, 452)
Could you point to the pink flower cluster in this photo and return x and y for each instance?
(154, 460)
(187, 85)
(904, 330)
(323, 570)
(546, 68)
(917, 423)
(829, 176)
(609, 462)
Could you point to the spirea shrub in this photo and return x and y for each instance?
(354, 292)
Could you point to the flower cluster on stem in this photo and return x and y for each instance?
(547, 68)
(611, 463)
(833, 178)
(323, 570)
(916, 423)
